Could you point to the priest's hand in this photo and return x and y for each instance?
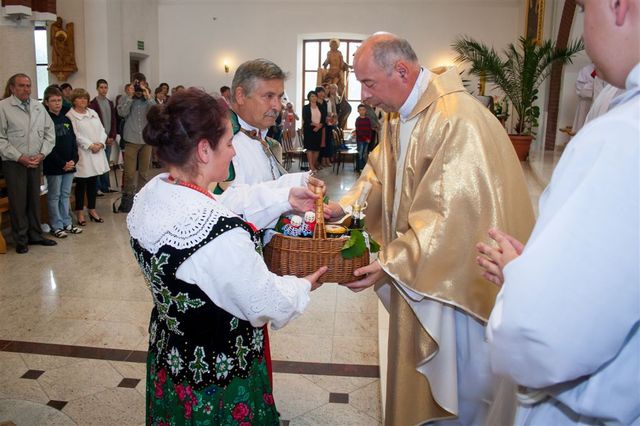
(372, 274)
(494, 259)
(313, 278)
(302, 199)
(333, 210)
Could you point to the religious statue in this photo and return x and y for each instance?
(337, 66)
(63, 61)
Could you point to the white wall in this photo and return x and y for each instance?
(107, 32)
(194, 46)
(18, 52)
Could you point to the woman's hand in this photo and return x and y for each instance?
(313, 278)
(495, 259)
(95, 147)
(69, 165)
(302, 199)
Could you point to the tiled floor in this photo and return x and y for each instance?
(73, 322)
(71, 314)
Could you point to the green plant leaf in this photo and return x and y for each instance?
(374, 247)
(355, 246)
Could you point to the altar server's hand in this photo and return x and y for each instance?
(302, 199)
(316, 185)
(495, 259)
(313, 278)
(372, 274)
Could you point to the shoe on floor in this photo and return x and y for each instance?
(73, 229)
(43, 242)
(99, 194)
(59, 233)
(22, 248)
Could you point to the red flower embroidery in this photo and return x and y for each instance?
(245, 424)
(159, 391)
(162, 375)
(268, 398)
(181, 392)
(240, 411)
(187, 410)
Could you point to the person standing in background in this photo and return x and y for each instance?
(27, 136)
(107, 113)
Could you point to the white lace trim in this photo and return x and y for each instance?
(169, 214)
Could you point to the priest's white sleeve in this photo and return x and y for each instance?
(235, 277)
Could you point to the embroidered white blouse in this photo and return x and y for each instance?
(228, 269)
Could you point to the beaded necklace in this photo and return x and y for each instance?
(190, 185)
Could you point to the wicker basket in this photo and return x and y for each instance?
(286, 255)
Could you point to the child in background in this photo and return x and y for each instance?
(363, 133)
(59, 166)
(289, 118)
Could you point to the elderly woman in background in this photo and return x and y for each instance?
(208, 359)
(91, 139)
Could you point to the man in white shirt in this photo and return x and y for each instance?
(257, 90)
(565, 326)
(256, 101)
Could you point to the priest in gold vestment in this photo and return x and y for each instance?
(444, 173)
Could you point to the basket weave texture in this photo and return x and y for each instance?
(286, 255)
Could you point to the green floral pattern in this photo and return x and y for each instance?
(244, 401)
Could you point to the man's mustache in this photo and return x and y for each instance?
(273, 113)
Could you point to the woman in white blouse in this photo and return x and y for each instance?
(213, 294)
(91, 138)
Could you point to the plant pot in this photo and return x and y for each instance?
(521, 143)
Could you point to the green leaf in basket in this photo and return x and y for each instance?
(374, 247)
(355, 246)
(325, 200)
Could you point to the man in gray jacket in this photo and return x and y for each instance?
(27, 135)
(133, 107)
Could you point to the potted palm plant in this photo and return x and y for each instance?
(519, 75)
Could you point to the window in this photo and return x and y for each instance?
(42, 57)
(314, 53)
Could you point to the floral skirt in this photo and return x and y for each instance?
(244, 401)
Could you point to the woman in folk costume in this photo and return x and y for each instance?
(213, 296)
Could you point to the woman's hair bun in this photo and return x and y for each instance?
(157, 132)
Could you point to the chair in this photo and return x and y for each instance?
(343, 156)
(301, 152)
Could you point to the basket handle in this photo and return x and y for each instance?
(319, 231)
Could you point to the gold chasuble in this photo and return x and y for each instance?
(461, 177)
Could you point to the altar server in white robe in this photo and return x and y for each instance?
(565, 324)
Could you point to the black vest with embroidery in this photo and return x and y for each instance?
(195, 340)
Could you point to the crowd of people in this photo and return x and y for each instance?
(493, 333)
(70, 140)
